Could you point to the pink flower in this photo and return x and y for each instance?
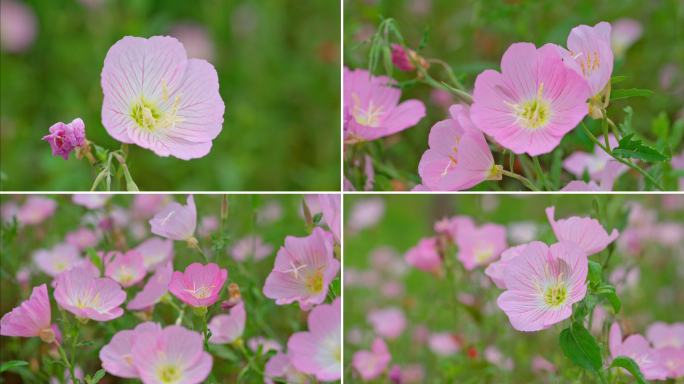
(533, 103)
(91, 200)
(64, 138)
(268, 345)
(319, 351)
(540, 364)
(413, 374)
(421, 333)
(126, 269)
(148, 204)
(226, 329)
(586, 232)
(23, 275)
(611, 171)
(155, 252)
(270, 213)
(543, 284)
(600, 316)
(441, 98)
(31, 319)
(195, 39)
(637, 348)
(331, 205)
(444, 344)
(666, 335)
(36, 209)
(89, 298)
(669, 234)
(459, 156)
(200, 285)
(208, 224)
(154, 290)
(625, 32)
(60, 258)
(371, 364)
(346, 118)
(389, 322)
(451, 227)
(424, 256)
(496, 269)
(369, 172)
(386, 259)
(366, 213)
(522, 232)
(623, 278)
(479, 246)
(393, 289)
(303, 269)
(117, 355)
(174, 355)
(82, 238)
(18, 26)
(280, 365)
(251, 246)
(493, 355)
(593, 163)
(401, 60)
(375, 106)
(176, 222)
(672, 360)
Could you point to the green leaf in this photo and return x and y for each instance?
(624, 93)
(661, 125)
(424, 39)
(317, 218)
(12, 364)
(88, 379)
(677, 133)
(585, 306)
(656, 173)
(581, 347)
(223, 352)
(617, 79)
(98, 375)
(627, 126)
(629, 364)
(614, 301)
(634, 149)
(94, 258)
(594, 274)
(84, 343)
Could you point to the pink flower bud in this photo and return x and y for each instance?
(64, 138)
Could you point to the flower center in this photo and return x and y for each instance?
(124, 274)
(168, 373)
(315, 282)
(369, 117)
(483, 252)
(533, 113)
(85, 302)
(589, 64)
(553, 294)
(200, 293)
(149, 115)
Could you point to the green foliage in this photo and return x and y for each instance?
(594, 275)
(634, 149)
(12, 364)
(617, 79)
(581, 348)
(631, 366)
(661, 125)
(625, 93)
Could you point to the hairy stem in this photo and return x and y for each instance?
(540, 173)
(522, 179)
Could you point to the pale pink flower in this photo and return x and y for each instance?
(18, 26)
(672, 360)
(444, 344)
(127, 269)
(366, 213)
(64, 138)
(89, 298)
(600, 316)
(493, 355)
(421, 333)
(441, 98)
(386, 259)
(8, 211)
(637, 348)
(466, 299)
(624, 33)
(331, 206)
(174, 356)
(82, 238)
(91, 200)
(425, 256)
(392, 289)
(371, 364)
(267, 345)
(117, 355)
(154, 290)
(60, 258)
(36, 209)
(280, 365)
(666, 335)
(522, 232)
(270, 213)
(413, 374)
(375, 106)
(540, 364)
(156, 252)
(451, 227)
(593, 163)
(31, 319)
(176, 222)
(200, 285)
(623, 278)
(533, 103)
(459, 156)
(610, 172)
(158, 99)
(148, 204)
(479, 246)
(303, 270)
(496, 269)
(252, 245)
(543, 283)
(388, 322)
(23, 275)
(586, 232)
(195, 39)
(319, 351)
(669, 233)
(208, 224)
(226, 329)
(417, 188)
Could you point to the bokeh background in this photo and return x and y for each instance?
(278, 64)
(471, 36)
(650, 285)
(271, 217)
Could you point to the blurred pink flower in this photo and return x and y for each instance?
(493, 355)
(269, 213)
(82, 238)
(208, 224)
(23, 275)
(401, 60)
(624, 279)
(593, 163)
(624, 33)
(8, 211)
(417, 188)
(319, 351)
(421, 333)
(251, 245)
(60, 258)
(637, 348)
(394, 374)
(226, 329)
(677, 163)
(671, 79)
(466, 299)
(177, 110)
(388, 323)
(540, 364)
(496, 269)
(386, 259)
(78, 372)
(196, 40)
(127, 269)
(393, 289)
(371, 364)
(666, 335)
(31, 318)
(36, 209)
(154, 290)
(176, 222)
(672, 360)
(533, 103)
(91, 200)
(89, 298)
(451, 227)
(174, 355)
(542, 284)
(425, 256)
(375, 106)
(303, 270)
(64, 138)
(444, 344)
(369, 172)
(586, 232)
(479, 246)
(459, 156)
(672, 202)
(117, 355)
(412, 374)
(268, 345)
(200, 285)
(331, 206)
(280, 365)
(348, 186)
(441, 98)
(366, 213)
(522, 232)
(600, 316)
(148, 204)
(18, 26)
(610, 172)
(156, 252)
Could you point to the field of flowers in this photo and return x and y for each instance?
(513, 289)
(170, 289)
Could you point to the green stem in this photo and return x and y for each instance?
(522, 179)
(563, 363)
(73, 352)
(602, 377)
(199, 249)
(540, 173)
(204, 329)
(449, 72)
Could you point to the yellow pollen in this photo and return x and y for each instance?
(85, 302)
(165, 92)
(532, 113)
(370, 117)
(553, 294)
(128, 359)
(201, 292)
(151, 116)
(455, 150)
(598, 64)
(583, 71)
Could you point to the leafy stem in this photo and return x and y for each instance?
(204, 329)
(522, 179)
(541, 173)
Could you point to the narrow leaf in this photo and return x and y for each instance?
(84, 343)
(677, 133)
(617, 79)
(581, 347)
(616, 94)
(12, 364)
(631, 366)
(98, 375)
(656, 173)
(94, 258)
(424, 39)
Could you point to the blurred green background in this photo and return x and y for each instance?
(278, 67)
(472, 35)
(430, 300)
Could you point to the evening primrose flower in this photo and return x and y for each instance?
(388, 322)
(154, 290)
(624, 33)
(89, 298)
(156, 252)
(36, 209)
(117, 356)
(64, 138)
(424, 256)
(586, 232)
(226, 329)
(371, 364)
(177, 222)
(593, 163)
(638, 349)
(31, 319)
(58, 259)
(496, 269)
(479, 246)
(158, 99)
(126, 269)
(91, 200)
(200, 285)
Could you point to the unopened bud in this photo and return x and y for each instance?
(626, 328)
(402, 59)
(234, 297)
(47, 335)
(192, 242)
(308, 220)
(224, 207)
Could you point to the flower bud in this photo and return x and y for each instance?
(200, 311)
(193, 242)
(402, 60)
(224, 207)
(395, 374)
(234, 297)
(64, 138)
(47, 335)
(308, 220)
